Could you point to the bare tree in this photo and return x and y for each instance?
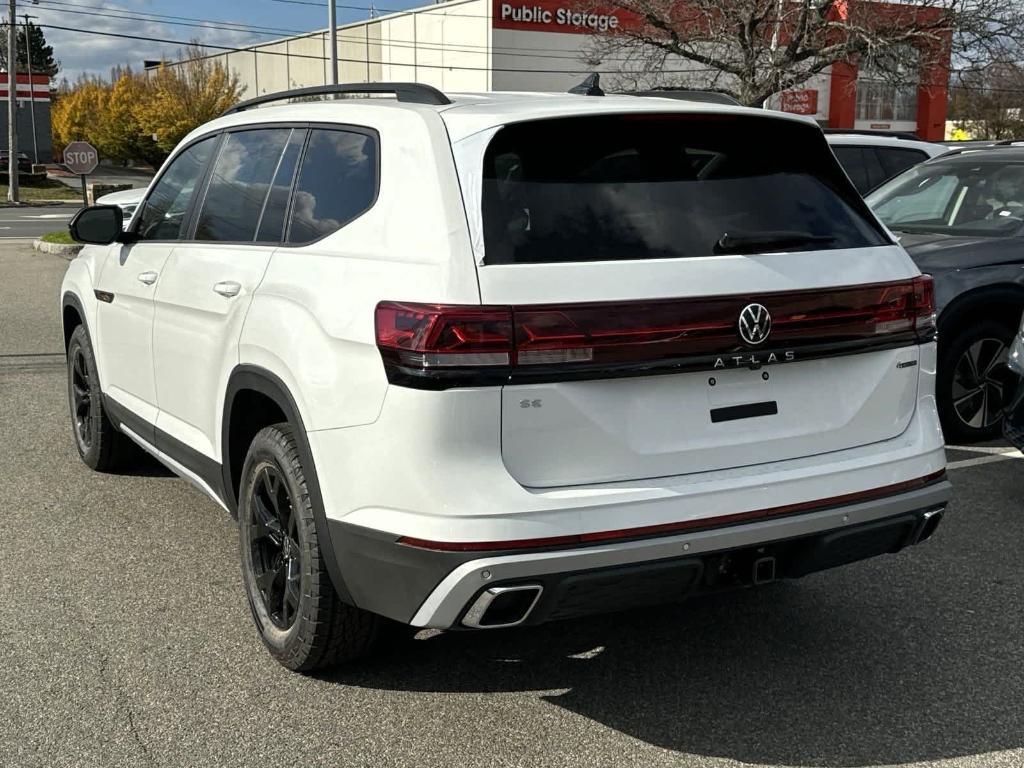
(989, 103)
(753, 49)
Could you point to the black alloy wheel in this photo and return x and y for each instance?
(99, 443)
(300, 617)
(273, 541)
(81, 398)
(982, 384)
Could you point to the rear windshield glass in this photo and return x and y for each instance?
(664, 186)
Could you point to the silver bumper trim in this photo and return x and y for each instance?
(476, 612)
(442, 607)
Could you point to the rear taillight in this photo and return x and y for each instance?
(436, 346)
(449, 345)
(924, 307)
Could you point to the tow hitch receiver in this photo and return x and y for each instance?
(764, 570)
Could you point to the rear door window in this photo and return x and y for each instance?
(271, 228)
(852, 160)
(895, 160)
(873, 166)
(239, 183)
(664, 186)
(337, 181)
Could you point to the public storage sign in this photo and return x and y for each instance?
(559, 16)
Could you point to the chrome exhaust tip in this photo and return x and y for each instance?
(929, 522)
(499, 607)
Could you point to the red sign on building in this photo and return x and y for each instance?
(803, 102)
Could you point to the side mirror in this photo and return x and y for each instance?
(97, 225)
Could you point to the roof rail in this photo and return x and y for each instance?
(688, 94)
(411, 93)
(863, 132)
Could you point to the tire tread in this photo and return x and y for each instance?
(331, 632)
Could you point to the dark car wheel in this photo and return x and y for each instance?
(974, 385)
(98, 442)
(300, 617)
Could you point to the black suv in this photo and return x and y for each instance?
(961, 218)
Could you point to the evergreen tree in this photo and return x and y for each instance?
(43, 62)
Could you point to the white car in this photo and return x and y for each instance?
(870, 158)
(127, 200)
(492, 359)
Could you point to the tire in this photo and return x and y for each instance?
(301, 619)
(973, 384)
(99, 443)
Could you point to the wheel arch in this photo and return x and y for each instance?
(72, 309)
(249, 384)
(1002, 302)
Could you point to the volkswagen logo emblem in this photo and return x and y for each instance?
(754, 324)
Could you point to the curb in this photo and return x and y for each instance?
(34, 203)
(60, 249)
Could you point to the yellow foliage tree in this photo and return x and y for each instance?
(186, 96)
(120, 136)
(143, 116)
(77, 114)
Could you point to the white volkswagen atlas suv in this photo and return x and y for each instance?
(483, 360)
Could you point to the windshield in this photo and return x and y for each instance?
(979, 199)
(665, 186)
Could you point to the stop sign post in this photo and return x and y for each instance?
(81, 157)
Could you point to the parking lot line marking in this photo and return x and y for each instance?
(1014, 454)
(992, 449)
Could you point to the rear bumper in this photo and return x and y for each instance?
(1013, 421)
(429, 588)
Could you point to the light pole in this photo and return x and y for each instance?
(332, 22)
(31, 86)
(12, 103)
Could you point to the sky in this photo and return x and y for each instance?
(82, 53)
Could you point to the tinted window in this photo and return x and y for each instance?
(336, 183)
(876, 173)
(164, 210)
(239, 183)
(653, 186)
(852, 160)
(271, 229)
(896, 161)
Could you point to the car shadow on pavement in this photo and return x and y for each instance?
(141, 464)
(802, 673)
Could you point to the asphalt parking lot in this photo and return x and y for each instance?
(125, 638)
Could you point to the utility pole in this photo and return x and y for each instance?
(12, 103)
(31, 87)
(332, 22)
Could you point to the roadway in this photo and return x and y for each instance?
(30, 221)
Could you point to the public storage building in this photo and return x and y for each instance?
(543, 45)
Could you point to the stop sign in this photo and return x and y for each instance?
(81, 157)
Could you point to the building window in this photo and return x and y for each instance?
(887, 89)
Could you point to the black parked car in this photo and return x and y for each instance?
(24, 161)
(961, 218)
(1013, 420)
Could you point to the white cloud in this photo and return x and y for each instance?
(80, 52)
